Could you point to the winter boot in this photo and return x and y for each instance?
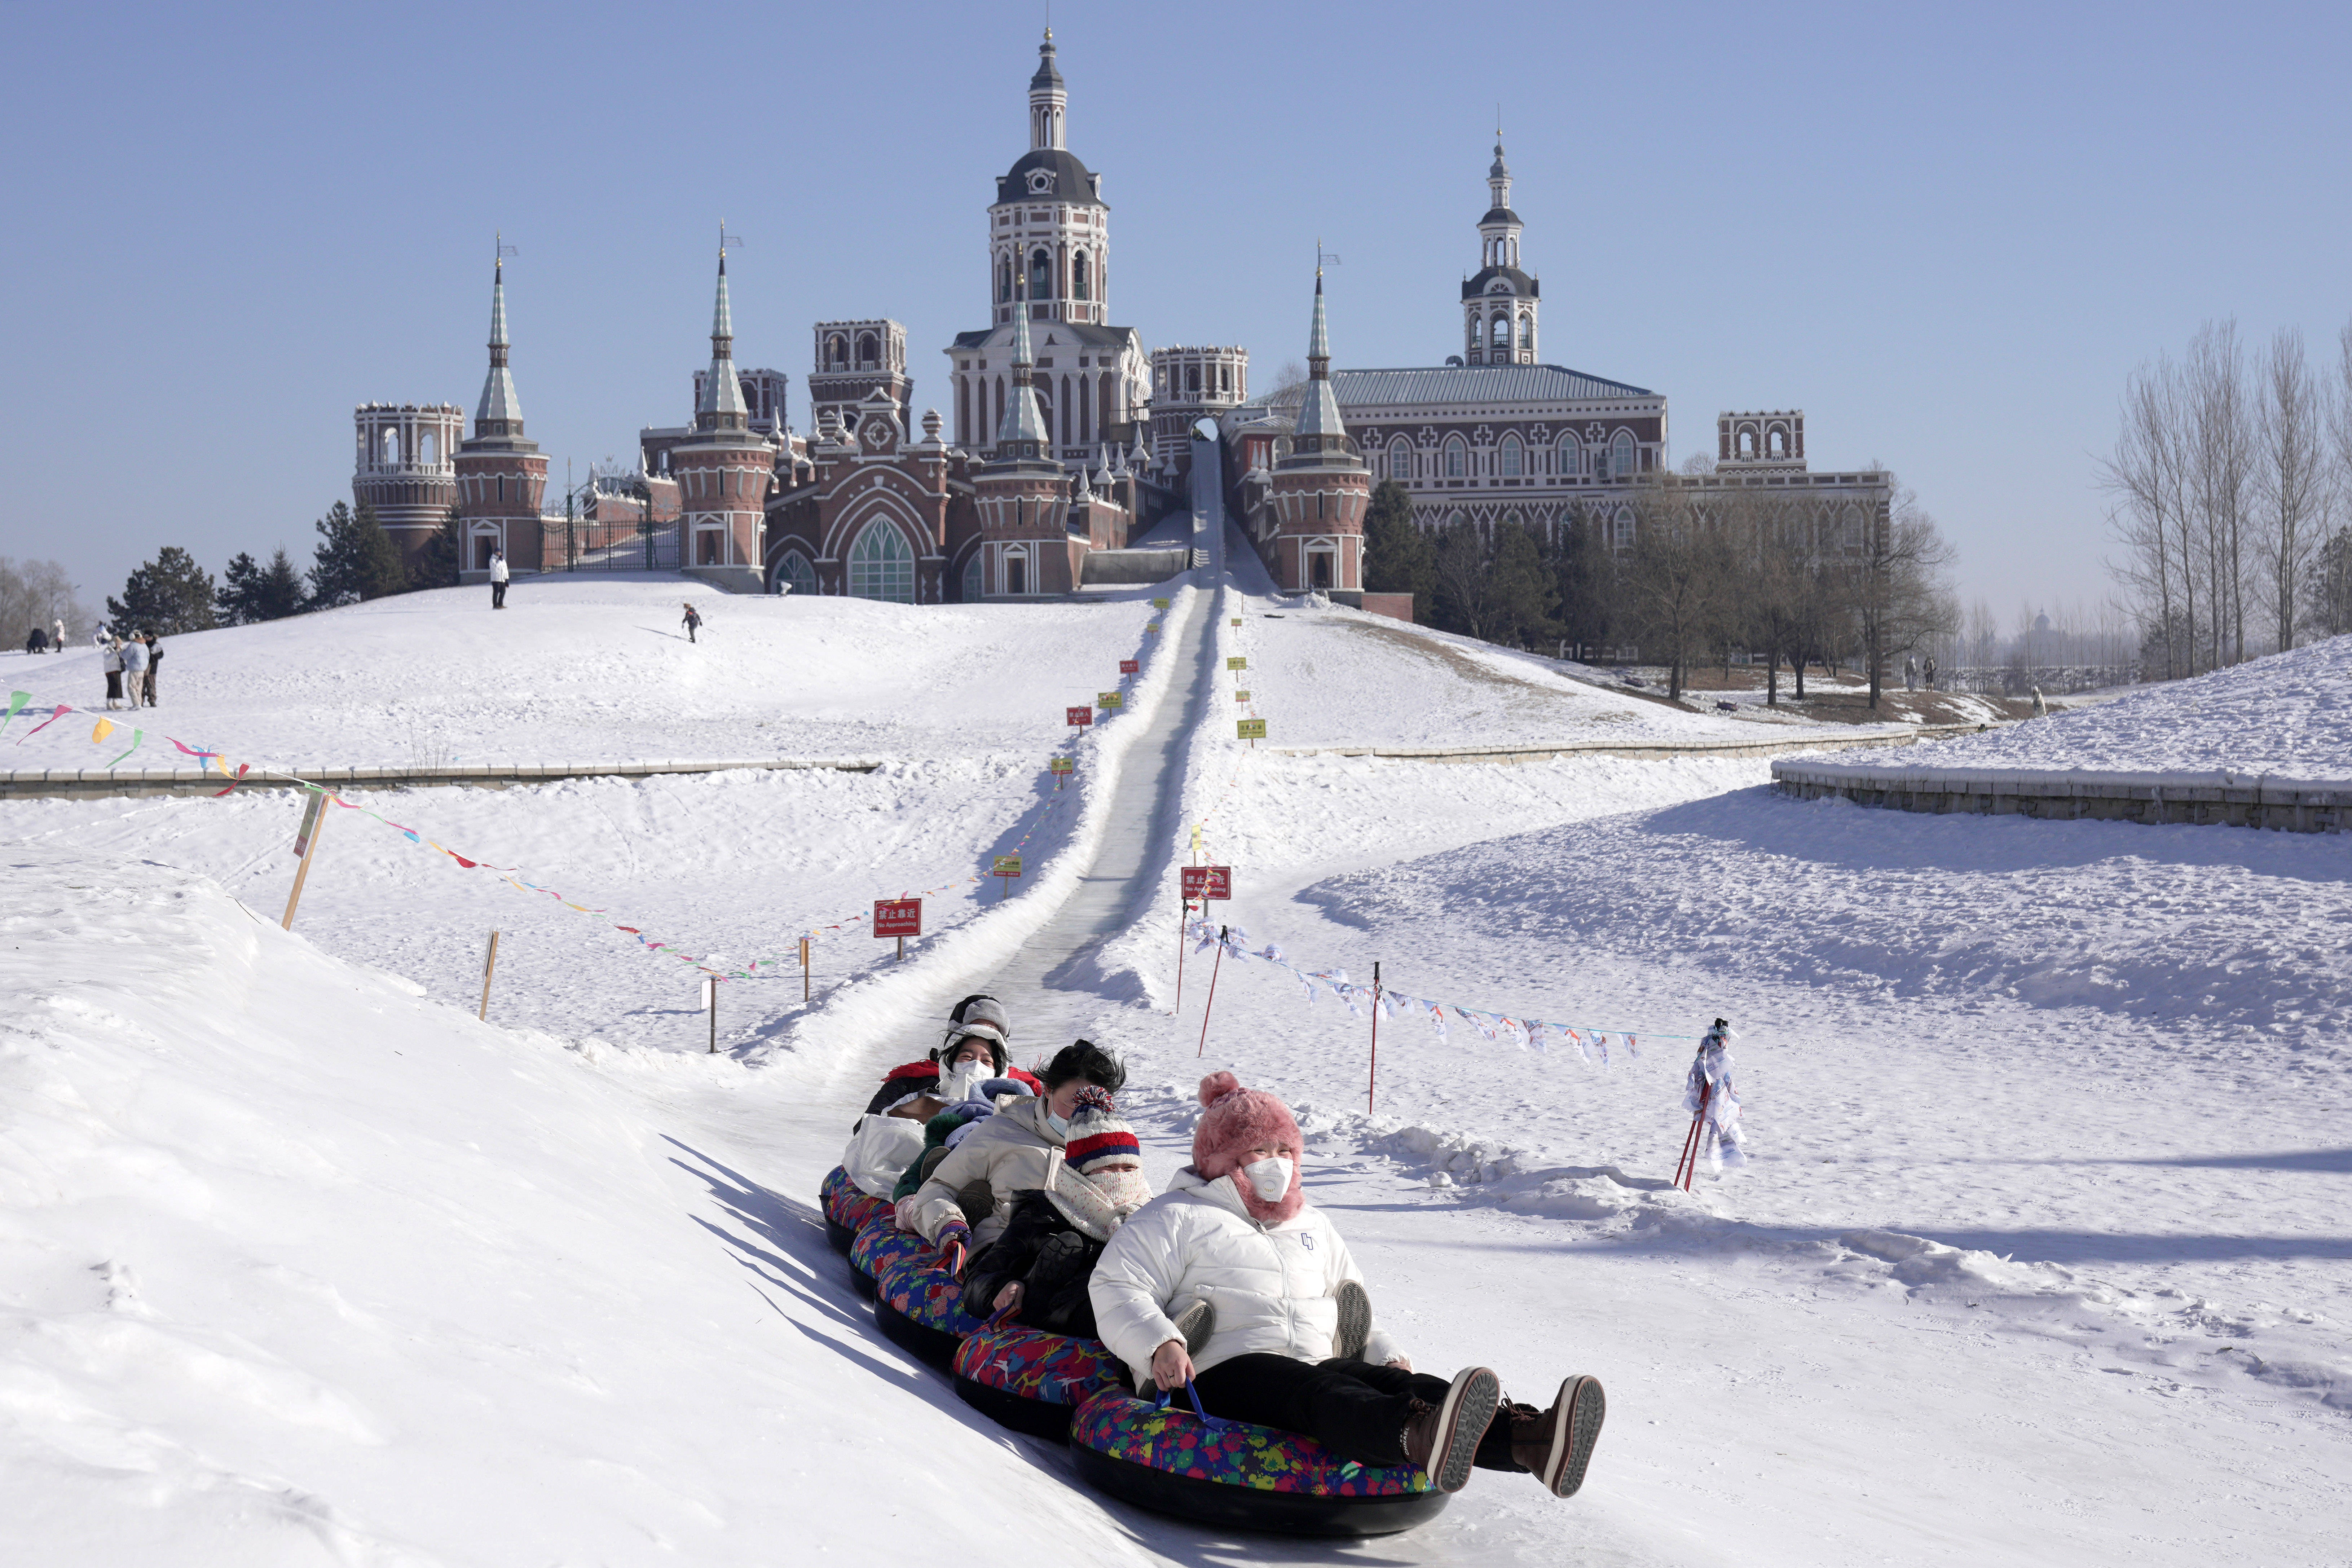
(1439, 1440)
(1355, 1321)
(1195, 1324)
(1556, 1444)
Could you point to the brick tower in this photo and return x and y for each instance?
(407, 468)
(723, 470)
(501, 477)
(1320, 489)
(1023, 493)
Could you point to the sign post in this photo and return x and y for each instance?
(1078, 718)
(1211, 1004)
(1373, 1083)
(711, 1005)
(1060, 767)
(1007, 866)
(1110, 701)
(1250, 730)
(901, 918)
(1236, 661)
(489, 966)
(1241, 694)
(306, 844)
(1131, 666)
(1206, 882)
(805, 969)
(1158, 603)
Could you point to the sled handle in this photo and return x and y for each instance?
(1214, 1422)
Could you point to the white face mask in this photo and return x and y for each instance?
(958, 1083)
(1269, 1178)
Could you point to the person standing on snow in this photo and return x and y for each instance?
(154, 666)
(1289, 1339)
(691, 623)
(1707, 1094)
(497, 579)
(134, 668)
(110, 661)
(57, 636)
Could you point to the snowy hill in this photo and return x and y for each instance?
(2289, 715)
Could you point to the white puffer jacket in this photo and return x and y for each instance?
(1271, 1285)
(1007, 1151)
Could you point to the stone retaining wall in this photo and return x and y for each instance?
(83, 782)
(2222, 799)
(1536, 753)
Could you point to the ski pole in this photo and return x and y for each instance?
(1372, 1083)
(1210, 1004)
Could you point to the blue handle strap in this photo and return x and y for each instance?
(1212, 1422)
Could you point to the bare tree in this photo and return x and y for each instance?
(37, 592)
(1896, 583)
(2293, 480)
(1678, 580)
(2223, 447)
(2150, 519)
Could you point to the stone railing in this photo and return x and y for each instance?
(2201, 799)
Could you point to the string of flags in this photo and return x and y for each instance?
(213, 761)
(1591, 1042)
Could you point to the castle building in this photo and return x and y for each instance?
(502, 476)
(854, 361)
(1049, 232)
(407, 468)
(724, 469)
(763, 398)
(1319, 489)
(1189, 386)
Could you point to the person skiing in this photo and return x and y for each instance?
(692, 622)
(1290, 1340)
(497, 579)
(1708, 1096)
(134, 668)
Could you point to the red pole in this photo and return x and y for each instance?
(1686, 1169)
(1212, 992)
(1373, 1083)
(1183, 907)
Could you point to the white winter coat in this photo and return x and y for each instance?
(880, 1151)
(1271, 1285)
(497, 568)
(1007, 1151)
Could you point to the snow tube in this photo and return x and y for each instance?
(1030, 1380)
(1231, 1473)
(918, 1306)
(880, 1244)
(847, 1207)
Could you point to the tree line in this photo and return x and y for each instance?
(2232, 486)
(354, 560)
(1712, 568)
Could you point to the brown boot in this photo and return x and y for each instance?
(1556, 1444)
(1439, 1440)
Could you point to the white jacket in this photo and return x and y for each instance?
(1271, 1286)
(880, 1151)
(497, 568)
(1008, 1151)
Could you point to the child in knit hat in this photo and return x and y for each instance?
(1037, 1270)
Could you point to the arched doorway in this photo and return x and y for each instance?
(880, 565)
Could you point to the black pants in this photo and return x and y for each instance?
(1353, 1408)
(498, 595)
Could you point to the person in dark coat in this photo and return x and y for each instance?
(37, 640)
(692, 622)
(154, 666)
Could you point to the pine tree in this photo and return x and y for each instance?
(1399, 558)
(232, 601)
(168, 595)
(355, 559)
(279, 593)
(1584, 575)
(443, 553)
(250, 592)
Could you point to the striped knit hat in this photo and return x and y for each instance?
(1097, 1135)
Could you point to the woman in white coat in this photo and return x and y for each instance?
(1235, 1234)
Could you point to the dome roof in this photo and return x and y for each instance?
(1062, 177)
(1522, 284)
(1501, 215)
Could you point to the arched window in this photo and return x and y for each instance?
(1527, 331)
(836, 353)
(1457, 458)
(1455, 520)
(1622, 528)
(1508, 461)
(392, 447)
(1747, 442)
(1571, 456)
(880, 565)
(971, 580)
(1400, 458)
(1621, 455)
(1004, 280)
(1498, 337)
(870, 350)
(1853, 521)
(424, 448)
(1191, 378)
(1041, 274)
(795, 571)
(1780, 442)
(1078, 280)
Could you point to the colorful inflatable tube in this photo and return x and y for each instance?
(1196, 1467)
(848, 1208)
(878, 1245)
(1030, 1380)
(918, 1306)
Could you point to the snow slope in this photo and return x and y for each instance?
(589, 669)
(2288, 715)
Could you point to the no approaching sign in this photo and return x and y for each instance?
(1129, 666)
(1078, 716)
(1206, 881)
(897, 917)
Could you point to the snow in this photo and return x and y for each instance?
(2040, 1259)
(2288, 716)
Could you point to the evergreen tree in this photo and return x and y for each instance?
(355, 559)
(1399, 558)
(1492, 586)
(1584, 576)
(250, 592)
(168, 595)
(443, 553)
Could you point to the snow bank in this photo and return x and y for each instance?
(2289, 715)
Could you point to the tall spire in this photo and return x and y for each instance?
(1048, 100)
(1318, 406)
(500, 412)
(1023, 433)
(721, 406)
(1498, 174)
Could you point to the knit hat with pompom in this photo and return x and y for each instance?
(1237, 1120)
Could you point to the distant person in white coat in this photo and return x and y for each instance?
(134, 668)
(497, 579)
(58, 636)
(110, 661)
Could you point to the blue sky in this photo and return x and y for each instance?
(1946, 233)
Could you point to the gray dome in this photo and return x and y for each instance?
(1071, 180)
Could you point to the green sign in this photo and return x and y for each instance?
(1110, 700)
(1236, 662)
(1007, 866)
(1250, 728)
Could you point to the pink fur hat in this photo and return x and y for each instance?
(1238, 1120)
